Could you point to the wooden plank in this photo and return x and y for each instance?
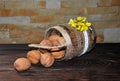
(14, 47)
(101, 64)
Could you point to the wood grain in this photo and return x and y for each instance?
(100, 64)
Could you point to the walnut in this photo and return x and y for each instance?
(34, 56)
(58, 54)
(46, 42)
(22, 64)
(47, 59)
(53, 39)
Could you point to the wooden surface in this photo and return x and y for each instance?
(101, 64)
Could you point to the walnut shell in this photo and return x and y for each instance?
(55, 49)
(34, 56)
(53, 39)
(46, 42)
(58, 54)
(61, 40)
(22, 64)
(47, 60)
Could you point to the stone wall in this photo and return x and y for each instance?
(24, 21)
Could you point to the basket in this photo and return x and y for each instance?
(77, 42)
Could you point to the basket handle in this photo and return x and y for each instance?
(47, 47)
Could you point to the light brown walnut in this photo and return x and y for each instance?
(47, 60)
(22, 64)
(53, 39)
(46, 42)
(34, 56)
(58, 54)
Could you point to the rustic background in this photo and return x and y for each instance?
(24, 21)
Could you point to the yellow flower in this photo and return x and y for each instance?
(84, 28)
(83, 19)
(74, 24)
(71, 21)
(79, 18)
(78, 28)
(88, 23)
(80, 23)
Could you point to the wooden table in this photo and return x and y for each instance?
(101, 64)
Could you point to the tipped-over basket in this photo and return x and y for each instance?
(77, 42)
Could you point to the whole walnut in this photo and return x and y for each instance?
(46, 42)
(58, 54)
(22, 64)
(47, 59)
(34, 56)
(53, 39)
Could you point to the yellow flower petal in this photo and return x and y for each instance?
(79, 18)
(86, 28)
(78, 28)
(75, 21)
(73, 25)
(83, 19)
(70, 22)
(88, 24)
(81, 29)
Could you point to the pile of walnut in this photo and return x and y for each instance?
(43, 56)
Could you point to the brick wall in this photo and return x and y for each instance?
(24, 21)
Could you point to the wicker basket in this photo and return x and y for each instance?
(77, 42)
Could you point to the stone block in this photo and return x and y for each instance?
(61, 12)
(104, 18)
(53, 4)
(67, 12)
(5, 12)
(1, 5)
(3, 27)
(106, 24)
(39, 19)
(42, 4)
(104, 3)
(76, 4)
(66, 4)
(60, 19)
(4, 31)
(34, 37)
(101, 10)
(12, 41)
(30, 35)
(5, 41)
(17, 40)
(19, 32)
(25, 12)
(15, 19)
(4, 34)
(115, 3)
(21, 4)
(112, 35)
